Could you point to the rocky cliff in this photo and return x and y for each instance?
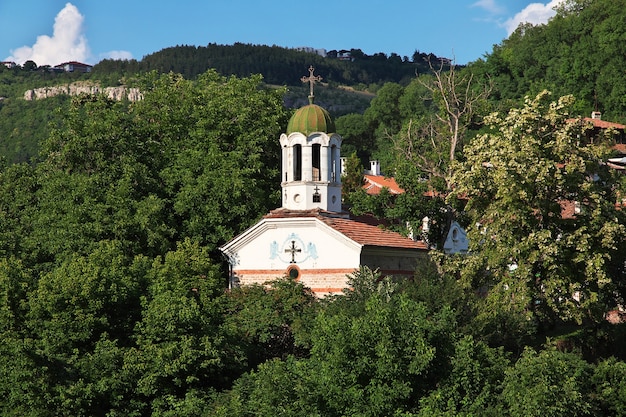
(74, 89)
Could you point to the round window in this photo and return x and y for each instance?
(293, 272)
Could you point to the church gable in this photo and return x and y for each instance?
(302, 248)
(277, 243)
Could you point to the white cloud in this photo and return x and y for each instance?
(535, 13)
(67, 43)
(489, 5)
(123, 55)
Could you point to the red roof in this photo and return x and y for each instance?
(620, 147)
(375, 183)
(599, 123)
(363, 232)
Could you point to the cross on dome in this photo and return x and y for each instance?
(311, 79)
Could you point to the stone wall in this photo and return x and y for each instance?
(74, 89)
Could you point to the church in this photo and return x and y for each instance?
(311, 238)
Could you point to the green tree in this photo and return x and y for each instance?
(381, 360)
(69, 334)
(548, 383)
(520, 178)
(384, 112)
(473, 384)
(356, 133)
(180, 353)
(193, 159)
(271, 321)
(352, 179)
(374, 352)
(609, 388)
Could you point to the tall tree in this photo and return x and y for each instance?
(192, 159)
(432, 141)
(544, 227)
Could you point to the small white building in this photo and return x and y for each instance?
(310, 238)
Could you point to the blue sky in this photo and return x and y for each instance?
(50, 32)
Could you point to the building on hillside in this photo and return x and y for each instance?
(374, 182)
(9, 64)
(73, 66)
(310, 238)
(344, 55)
(598, 125)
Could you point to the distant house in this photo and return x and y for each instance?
(73, 66)
(9, 64)
(374, 181)
(456, 241)
(344, 55)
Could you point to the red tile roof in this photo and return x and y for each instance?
(620, 147)
(363, 232)
(375, 183)
(599, 123)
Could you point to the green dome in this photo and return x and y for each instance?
(309, 119)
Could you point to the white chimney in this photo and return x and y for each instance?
(596, 115)
(375, 167)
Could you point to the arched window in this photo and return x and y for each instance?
(333, 164)
(316, 162)
(297, 162)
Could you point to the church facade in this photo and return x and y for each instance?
(310, 238)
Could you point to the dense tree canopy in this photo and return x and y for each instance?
(113, 298)
(543, 215)
(580, 52)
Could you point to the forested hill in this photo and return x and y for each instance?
(581, 51)
(278, 65)
(23, 125)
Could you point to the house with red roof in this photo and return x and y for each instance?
(311, 238)
(374, 181)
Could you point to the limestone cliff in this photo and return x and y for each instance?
(74, 89)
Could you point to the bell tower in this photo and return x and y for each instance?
(311, 177)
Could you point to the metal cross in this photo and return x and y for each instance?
(311, 80)
(293, 250)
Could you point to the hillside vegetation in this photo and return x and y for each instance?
(24, 125)
(114, 297)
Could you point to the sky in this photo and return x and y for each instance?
(50, 32)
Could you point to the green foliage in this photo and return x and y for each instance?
(580, 52)
(548, 383)
(193, 159)
(356, 133)
(472, 385)
(179, 346)
(24, 124)
(352, 179)
(518, 177)
(278, 65)
(609, 378)
(375, 353)
(272, 321)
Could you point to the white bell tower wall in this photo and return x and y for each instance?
(310, 176)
